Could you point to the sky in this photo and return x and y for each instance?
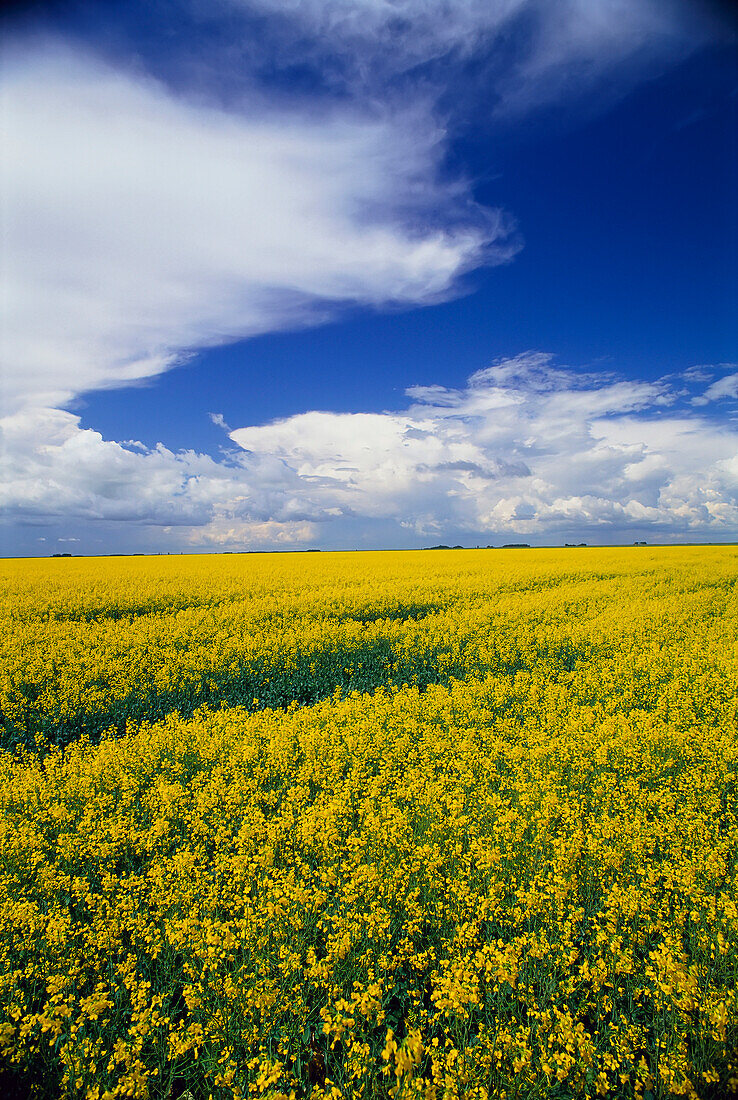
(364, 274)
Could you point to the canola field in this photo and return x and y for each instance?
(402, 825)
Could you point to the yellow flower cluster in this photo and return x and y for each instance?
(505, 868)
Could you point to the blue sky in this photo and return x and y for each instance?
(364, 273)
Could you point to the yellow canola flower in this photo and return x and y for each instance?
(407, 825)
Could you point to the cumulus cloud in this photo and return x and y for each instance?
(139, 224)
(55, 472)
(525, 447)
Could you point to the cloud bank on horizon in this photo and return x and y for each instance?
(525, 448)
(151, 210)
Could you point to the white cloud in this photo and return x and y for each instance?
(697, 374)
(53, 471)
(224, 532)
(525, 447)
(574, 44)
(139, 225)
(725, 387)
(536, 51)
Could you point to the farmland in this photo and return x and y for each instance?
(442, 824)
